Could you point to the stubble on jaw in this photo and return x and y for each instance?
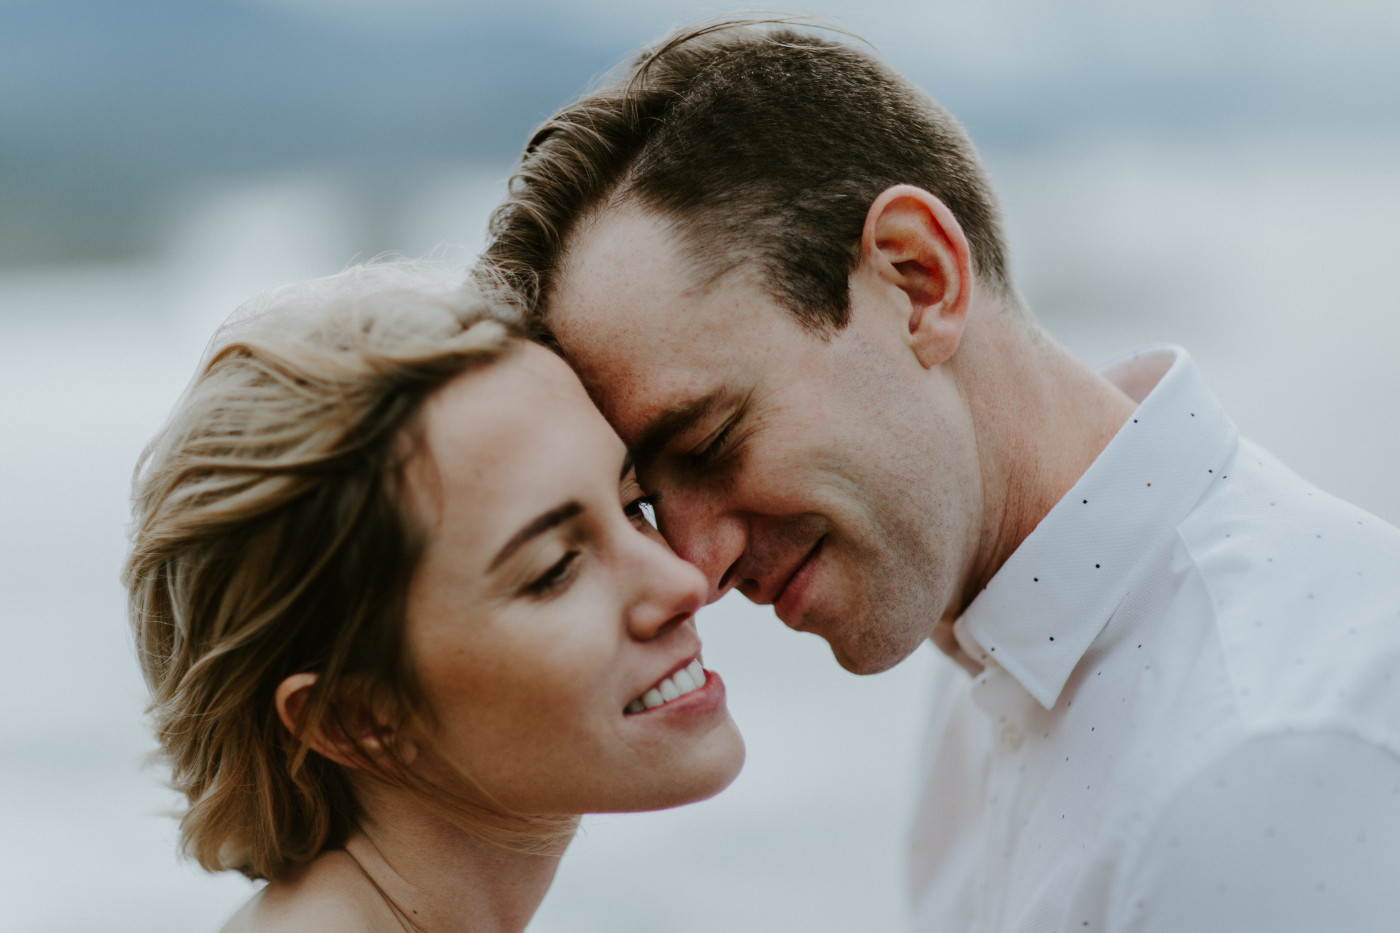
(896, 611)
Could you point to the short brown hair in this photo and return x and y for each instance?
(269, 539)
(766, 146)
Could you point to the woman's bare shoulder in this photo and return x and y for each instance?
(329, 895)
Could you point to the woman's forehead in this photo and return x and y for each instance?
(505, 437)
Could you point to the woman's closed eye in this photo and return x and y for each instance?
(559, 575)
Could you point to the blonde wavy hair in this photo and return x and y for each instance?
(268, 539)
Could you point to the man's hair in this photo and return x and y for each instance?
(269, 539)
(765, 147)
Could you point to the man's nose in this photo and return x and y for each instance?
(700, 532)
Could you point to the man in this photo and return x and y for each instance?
(778, 268)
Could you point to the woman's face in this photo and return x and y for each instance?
(545, 610)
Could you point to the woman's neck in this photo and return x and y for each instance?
(440, 878)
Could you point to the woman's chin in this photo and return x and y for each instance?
(696, 777)
(722, 771)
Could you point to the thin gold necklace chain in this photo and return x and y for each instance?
(404, 921)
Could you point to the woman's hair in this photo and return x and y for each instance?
(269, 538)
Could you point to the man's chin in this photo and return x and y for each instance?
(870, 654)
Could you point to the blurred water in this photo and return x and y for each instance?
(1266, 258)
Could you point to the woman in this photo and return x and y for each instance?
(402, 613)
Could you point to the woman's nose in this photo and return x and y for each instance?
(666, 589)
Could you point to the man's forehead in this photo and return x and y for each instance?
(630, 320)
(646, 394)
(619, 251)
(657, 344)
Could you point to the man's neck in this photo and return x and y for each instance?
(1042, 417)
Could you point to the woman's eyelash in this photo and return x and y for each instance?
(643, 507)
(553, 578)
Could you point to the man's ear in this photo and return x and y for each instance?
(912, 243)
(347, 738)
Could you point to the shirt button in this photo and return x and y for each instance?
(1011, 737)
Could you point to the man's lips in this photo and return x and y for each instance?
(788, 600)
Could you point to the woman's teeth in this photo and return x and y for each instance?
(687, 679)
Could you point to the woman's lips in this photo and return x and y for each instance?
(700, 704)
(673, 686)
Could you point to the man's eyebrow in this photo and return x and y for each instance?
(554, 517)
(656, 436)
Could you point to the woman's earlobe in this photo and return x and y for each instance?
(291, 698)
(345, 738)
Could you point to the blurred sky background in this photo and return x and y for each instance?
(1222, 175)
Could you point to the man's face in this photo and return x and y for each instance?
(834, 477)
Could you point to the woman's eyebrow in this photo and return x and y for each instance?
(554, 517)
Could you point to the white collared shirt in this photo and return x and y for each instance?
(1189, 714)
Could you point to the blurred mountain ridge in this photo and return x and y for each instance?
(111, 109)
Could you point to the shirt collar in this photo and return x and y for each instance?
(1040, 612)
